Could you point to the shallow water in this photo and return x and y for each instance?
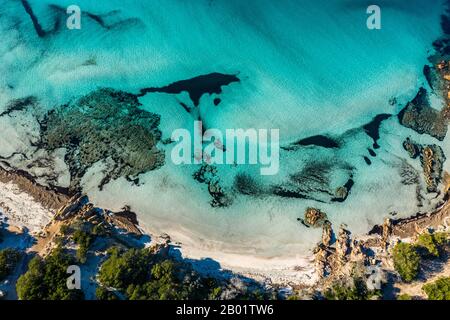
(308, 68)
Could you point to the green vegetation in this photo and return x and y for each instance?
(8, 261)
(142, 275)
(406, 261)
(65, 229)
(404, 297)
(46, 279)
(103, 294)
(438, 290)
(99, 230)
(356, 290)
(433, 243)
(83, 234)
(84, 241)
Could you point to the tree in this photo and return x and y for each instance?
(84, 241)
(433, 243)
(357, 290)
(102, 293)
(122, 269)
(406, 261)
(46, 279)
(142, 275)
(439, 290)
(8, 261)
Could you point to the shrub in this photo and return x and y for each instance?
(8, 261)
(438, 290)
(141, 275)
(102, 293)
(46, 279)
(99, 230)
(406, 261)
(122, 269)
(433, 243)
(404, 297)
(357, 290)
(65, 229)
(84, 241)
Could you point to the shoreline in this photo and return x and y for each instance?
(280, 270)
(291, 271)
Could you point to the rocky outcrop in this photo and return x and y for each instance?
(81, 207)
(412, 148)
(357, 251)
(439, 75)
(341, 193)
(49, 198)
(321, 260)
(386, 232)
(314, 218)
(432, 162)
(335, 259)
(432, 158)
(327, 234)
(72, 208)
(343, 245)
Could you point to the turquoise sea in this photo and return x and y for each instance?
(308, 68)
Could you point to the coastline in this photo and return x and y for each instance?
(26, 194)
(289, 272)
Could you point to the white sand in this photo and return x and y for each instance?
(21, 210)
(283, 269)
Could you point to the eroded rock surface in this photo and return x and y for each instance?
(314, 218)
(432, 158)
(432, 162)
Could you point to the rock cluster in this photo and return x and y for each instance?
(80, 207)
(332, 258)
(443, 85)
(314, 218)
(412, 148)
(327, 234)
(343, 245)
(432, 158)
(341, 193)
(432, 163)
(386, 232)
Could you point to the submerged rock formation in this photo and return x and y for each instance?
(432, 162)
(207, 174)
(105, 125)
(412, 148)
(422, 118)
(432, 158)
